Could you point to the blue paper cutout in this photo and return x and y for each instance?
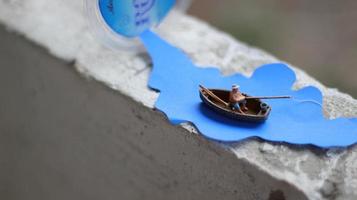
(294, 121)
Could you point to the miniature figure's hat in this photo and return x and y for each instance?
(235, 86)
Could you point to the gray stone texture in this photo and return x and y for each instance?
(61, 28)
(66, 137)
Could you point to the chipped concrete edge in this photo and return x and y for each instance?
(76, 44)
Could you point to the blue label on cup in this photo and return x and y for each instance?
(131, 17)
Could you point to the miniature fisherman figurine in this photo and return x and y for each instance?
(237, 100)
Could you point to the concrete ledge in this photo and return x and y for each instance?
(64, 137)
(61, 28)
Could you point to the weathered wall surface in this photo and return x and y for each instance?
(61, 28)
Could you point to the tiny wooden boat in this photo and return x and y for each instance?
(258, 111)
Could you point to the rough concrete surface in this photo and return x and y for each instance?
(65, 137)
(60, 27)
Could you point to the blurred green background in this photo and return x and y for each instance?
(319, 36)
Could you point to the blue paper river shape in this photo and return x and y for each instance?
(292, 121)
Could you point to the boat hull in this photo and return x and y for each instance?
(255, 113)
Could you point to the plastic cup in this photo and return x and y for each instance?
(110, 35)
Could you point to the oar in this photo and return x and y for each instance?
(213, 95)
(270, 97)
